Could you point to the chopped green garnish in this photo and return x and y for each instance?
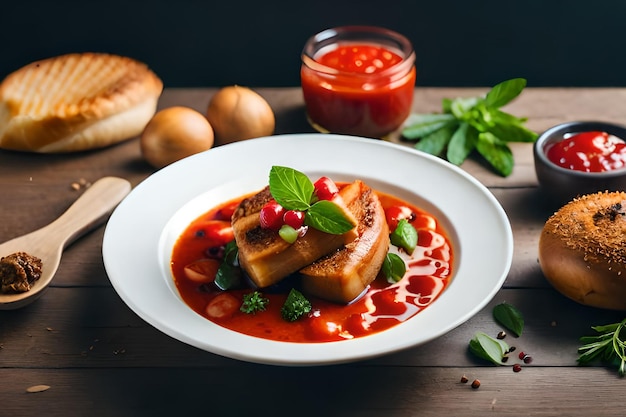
(229, 274)
(253, 302)
(296, 305)
(288, 233)
(405, 236)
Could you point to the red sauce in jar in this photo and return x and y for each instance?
(383, 305)
(369, 93)
(589, 152)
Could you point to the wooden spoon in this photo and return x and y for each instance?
(90, 210)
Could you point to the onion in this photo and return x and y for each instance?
(175, 133)
(239, 113)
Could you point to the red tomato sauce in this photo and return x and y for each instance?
(365, 97)
(589, 152)
(383, 305)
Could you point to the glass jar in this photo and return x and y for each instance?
(358, 80)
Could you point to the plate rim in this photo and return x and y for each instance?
(228, 343)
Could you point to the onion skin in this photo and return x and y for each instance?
(175, 133)
(581, 256)
(239, 113)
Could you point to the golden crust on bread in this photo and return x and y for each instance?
(582, 250)
(594, 224)
(346, 273)
(76, 102)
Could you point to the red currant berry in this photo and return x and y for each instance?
(294, 218)
(325, 188)
(272, 215)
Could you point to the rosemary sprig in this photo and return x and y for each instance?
(608, 346)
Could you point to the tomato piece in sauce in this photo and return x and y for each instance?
(383, 305)
(589, 152)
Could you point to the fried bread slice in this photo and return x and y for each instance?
(266, 257)
(346, 273)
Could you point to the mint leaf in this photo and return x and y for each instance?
(488, 348)
(509, 317)
(436, 142)
(393, 268)
(435, 132)
(290, 188)
(327, 217)
(421, 125)
(496, 152)
(505, 92)
(461, 144)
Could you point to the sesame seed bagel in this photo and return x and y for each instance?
(582, 250)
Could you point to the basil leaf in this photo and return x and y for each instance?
(505, 92)
(393, 268)
(461, 144)
(436, 142)
(327, 217)
(488, 348)
(513, 133)
(405, 236)
(509, 317)
(421, 125)
(460, 106)
(290, 188)
(497, 153)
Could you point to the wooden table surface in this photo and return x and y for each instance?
(100, 359)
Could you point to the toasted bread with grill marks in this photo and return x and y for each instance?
(76, 102)
(346, 273)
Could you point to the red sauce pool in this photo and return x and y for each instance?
(383, 306)
(369, 94)
(589, 152)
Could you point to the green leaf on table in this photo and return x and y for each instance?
(422, 125)
(435, 142)
(488, 348)
(509, 317)
(497, 153)
(504, 92)
(461, 144)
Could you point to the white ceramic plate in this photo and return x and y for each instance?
(140, 233)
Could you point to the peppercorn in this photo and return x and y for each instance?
(475, 383)
(464, 379)
(517, 367)
(501, 335)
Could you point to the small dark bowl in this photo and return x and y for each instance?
(562, 185)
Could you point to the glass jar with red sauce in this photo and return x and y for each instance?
(358, 80)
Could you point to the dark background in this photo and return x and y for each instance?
(191, 43)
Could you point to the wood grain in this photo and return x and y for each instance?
(98, 355)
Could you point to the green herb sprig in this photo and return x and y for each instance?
(488, 348)
(476, 123)
(294, 191)
(609, 346)
(254, 302)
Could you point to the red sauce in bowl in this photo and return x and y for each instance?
(589, 152)
(383, 306)
(358, 88)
